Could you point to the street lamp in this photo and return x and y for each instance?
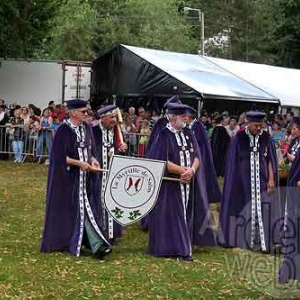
(201, 20)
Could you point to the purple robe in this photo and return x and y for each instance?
(158, 126)
(290, 267)
(212, 185)
(65, 206)
(220, 141)
(117, 228)
(244, 221)
(180, 218)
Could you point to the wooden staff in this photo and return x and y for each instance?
(118, 132)
(164, 178)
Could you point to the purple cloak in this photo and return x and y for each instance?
(97, 132)
(158, 126)
(174, 224)
(220, 141)
(236, 207)
(212, 186)
(62, 220)
(290, 267)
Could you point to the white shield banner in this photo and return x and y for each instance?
(132, 187)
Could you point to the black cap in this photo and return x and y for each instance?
(173, 99)
(76, 104)
(107, 110)
(255, 116)
(177, 109)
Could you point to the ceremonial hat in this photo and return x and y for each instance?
(296, 120)
(107, 110)
(76, 104)
(255, 116)
(191, 111)
(177, 109)
(173, 99)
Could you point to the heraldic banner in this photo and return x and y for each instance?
(132, 187)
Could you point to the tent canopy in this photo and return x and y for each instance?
(282, 83)
(128, 70)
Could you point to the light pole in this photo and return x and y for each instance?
(201, 21)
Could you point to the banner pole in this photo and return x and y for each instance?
(164, 178)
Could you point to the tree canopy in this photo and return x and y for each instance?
(263, 31)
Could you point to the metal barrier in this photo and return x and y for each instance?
(35, 145)
(137, 144)
(32, 144)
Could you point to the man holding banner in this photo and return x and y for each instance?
(72, 206)
(181, 217)
(109, 141)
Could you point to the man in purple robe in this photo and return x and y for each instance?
(250, 209)
(290, 267)
(220, 141)
(107, 144)
(181, 216)
(212, 186)
(72, 205)
(158, 126)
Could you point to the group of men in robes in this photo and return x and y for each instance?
(250, 206)
(75, 211)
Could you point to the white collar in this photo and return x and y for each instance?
(2, 115)
(172, 129)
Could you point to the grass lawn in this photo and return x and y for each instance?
(128, 273)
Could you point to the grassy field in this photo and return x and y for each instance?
(128, 273)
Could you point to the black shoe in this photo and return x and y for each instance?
(102, 251)
(187, 259)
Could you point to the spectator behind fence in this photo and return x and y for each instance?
(139, 119)
(3, 136)
(131, 112)
(277, 133)
(55, 124)
(25, 115)
(17, 124)
(145, 132)
(129, 131)
(60, 111)
(33, 110)
(45, 135)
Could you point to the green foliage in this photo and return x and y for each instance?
(263, 31)
(74, 31)
(24, 26)
(154, 24)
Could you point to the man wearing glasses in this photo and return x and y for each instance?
(72, 205)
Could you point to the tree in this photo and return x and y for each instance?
(73, 32)
(288, 33)
(147, 23)
(24, 26)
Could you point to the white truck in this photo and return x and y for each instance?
(39, 82)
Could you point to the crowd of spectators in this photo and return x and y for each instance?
(28, 127)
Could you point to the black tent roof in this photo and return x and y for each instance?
(133, 71)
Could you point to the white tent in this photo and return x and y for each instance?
(205, 77)
(282, 83)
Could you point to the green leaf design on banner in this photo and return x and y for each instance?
(118, 212)
(133, 215)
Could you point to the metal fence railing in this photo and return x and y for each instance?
(34, 146)
(26, 144)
